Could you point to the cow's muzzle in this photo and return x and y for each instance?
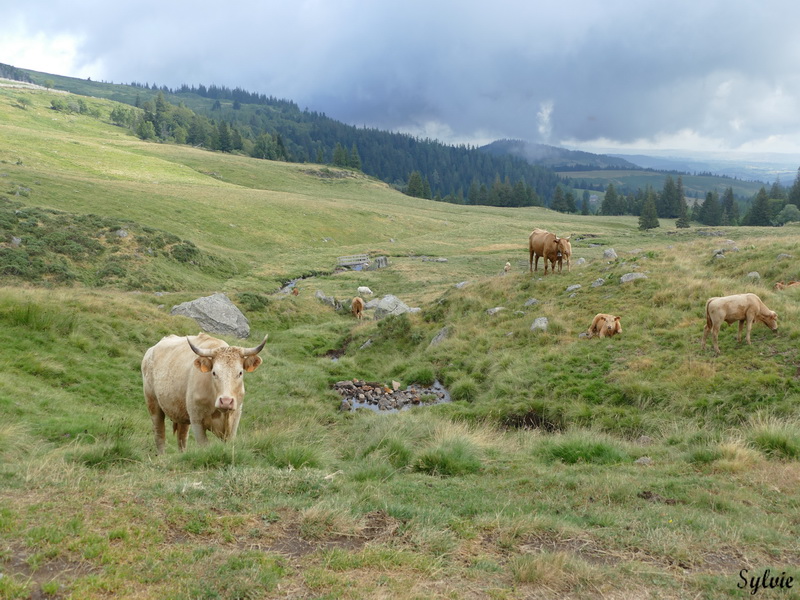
(224, 403)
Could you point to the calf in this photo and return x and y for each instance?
(604, 325)
(739, 307)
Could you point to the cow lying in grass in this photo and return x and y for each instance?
(745, 308)
(780, 285)
(604, 325)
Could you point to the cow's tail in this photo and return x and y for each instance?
(709, 324)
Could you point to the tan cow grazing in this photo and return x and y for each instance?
(781, 285)
(357, 308)
(604, 325)
(739, 307)
(507, 268)
(198, 381)
(542, 243)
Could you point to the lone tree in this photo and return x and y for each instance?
(648, 219)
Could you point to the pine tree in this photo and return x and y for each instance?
(354, 160)
(610, 204)
(415, 186)
(759, 214)
(559, 202)
(648, 219)
(683, 213)
(730, 210)
(794, 191)
(569, 201)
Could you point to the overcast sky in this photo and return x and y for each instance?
(589, 74)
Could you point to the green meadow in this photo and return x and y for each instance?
(633, 467)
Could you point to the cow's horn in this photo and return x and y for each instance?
(256, 350)
(200, 351)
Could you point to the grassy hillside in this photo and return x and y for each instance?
(633, 467)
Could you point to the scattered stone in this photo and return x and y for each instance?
(15, 241)
(644, 440)
(215, 314)
(754, 275)
(391, 305)
(540, 324)
(583, 335)
(784, 256)
(379, 262)
(653, 497)
(443, 334)
(462, 284)
(579, 261)
(598, 282)
(495, 310)
(366, 344)
(429, 259)
(378, 397)
(574, 288)
(121, 233)
(329, 300)
(644, 461)
(631, 277)
(609, 254)
(531, 302)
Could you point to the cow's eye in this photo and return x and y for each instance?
(214, 373)
(240, 373)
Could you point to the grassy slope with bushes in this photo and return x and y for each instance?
(525, 486)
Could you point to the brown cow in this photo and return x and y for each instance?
(781, 285)
(739, 307)
(357, 308)
(604, 325)
(550, 247)
(196, 381)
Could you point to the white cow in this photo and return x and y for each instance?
(739, 307)
(197, 381)
(364, 291)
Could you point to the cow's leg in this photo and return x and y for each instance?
(749, 327)
(715, 332)
(536, 263)
(739, 333)
(530, 261)
(182, 433)
(157, 416)
(199, 433)
(706, 329)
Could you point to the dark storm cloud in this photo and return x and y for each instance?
(620, 70)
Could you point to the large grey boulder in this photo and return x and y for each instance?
(215, 314)
(391, 305)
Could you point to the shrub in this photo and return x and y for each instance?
(454, 457)
(583, 449)
(464, 389)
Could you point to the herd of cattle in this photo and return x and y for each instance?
(198, 380)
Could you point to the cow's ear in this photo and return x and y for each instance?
(251, 363)
(616, 318)
(203, 363)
